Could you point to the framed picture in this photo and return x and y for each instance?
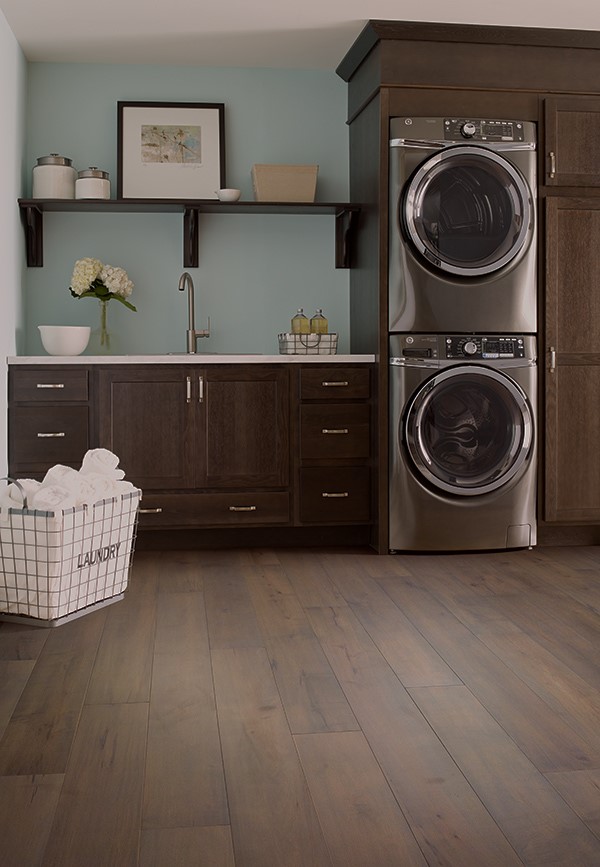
(170, 150)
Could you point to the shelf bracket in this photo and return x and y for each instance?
(33, 224)
(190, 238)
(345, 222)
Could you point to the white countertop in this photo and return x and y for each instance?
(184, 358)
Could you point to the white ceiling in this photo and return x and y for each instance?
(302, 34)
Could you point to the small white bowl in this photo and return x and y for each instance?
(64, 339)
(228, 195)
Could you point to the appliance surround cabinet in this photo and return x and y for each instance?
(242, 453)
(549, 77)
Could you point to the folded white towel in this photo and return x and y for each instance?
(67, 477)
(51, 498)
(12, 497)
(101, 461)
(95, 487)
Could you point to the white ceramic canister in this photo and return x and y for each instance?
(92, 184)
(53, 178)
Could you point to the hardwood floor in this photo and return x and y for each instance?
(313, 708)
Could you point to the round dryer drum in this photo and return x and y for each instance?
(468, 430)
(467, 211)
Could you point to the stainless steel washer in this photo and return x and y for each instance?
(462, 238)
(462, 442)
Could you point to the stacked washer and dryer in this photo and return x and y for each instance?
(463, 323)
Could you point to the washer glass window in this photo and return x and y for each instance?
(468, 430)
(467, 211)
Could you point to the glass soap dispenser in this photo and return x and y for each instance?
(300, 323)
(318, 323)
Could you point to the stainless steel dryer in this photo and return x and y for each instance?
(462, 442)
(462, 242)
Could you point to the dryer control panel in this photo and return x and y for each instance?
(458, 128)
(477, 346)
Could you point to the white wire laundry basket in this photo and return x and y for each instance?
(307, 344)
(59, 565)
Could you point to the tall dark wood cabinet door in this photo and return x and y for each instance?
(572, 435)
(246, 434)
(146, 418)
(572, 141)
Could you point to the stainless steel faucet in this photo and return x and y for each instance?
(185, 281)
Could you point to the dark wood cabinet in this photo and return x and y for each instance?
(572, 135)
(572, 414)
(49, 419)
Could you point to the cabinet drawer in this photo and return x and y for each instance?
(48, 435)
(334, 431)
(214, 510)
(334, 494)
(333, 383)
(48, 385)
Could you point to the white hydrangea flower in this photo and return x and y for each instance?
(116, 280)
(85, 272)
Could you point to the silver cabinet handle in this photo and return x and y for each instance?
(552, 359)
(200, 389)
(188, 389)
(335, 495)
(328, 384)
(58, 434)
(242, 508)
(340, 430)
(552, 172)
(50, 385)
(150, 511)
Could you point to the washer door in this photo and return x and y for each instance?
(468, 430)
(467, 210)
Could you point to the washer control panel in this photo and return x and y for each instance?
(478, 346)
(458, 128)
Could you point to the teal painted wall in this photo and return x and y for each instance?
(254, 270)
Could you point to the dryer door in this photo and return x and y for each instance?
(467, 211)
(468, 430)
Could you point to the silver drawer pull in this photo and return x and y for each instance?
(339, 430)
(188, 389)
(336, 495)
(58, 434)
(50, 385)
(328, 384)
(150, 511)
(242, 508)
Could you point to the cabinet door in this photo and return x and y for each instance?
(245, 438)
(572, 141)
(572, 434)
(146, 417)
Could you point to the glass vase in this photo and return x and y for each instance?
(100, 340)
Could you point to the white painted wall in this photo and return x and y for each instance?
(13, 76)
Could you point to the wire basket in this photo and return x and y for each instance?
(307, 344)
(59, 565)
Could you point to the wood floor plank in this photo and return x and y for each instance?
(98, 814)
(187, 847)
(273, 819)
(14, 674)
(123, 665)
(181, 571)
(184, 775)
(581, 790)
(308, 578)
(312, 698)
(27, 806)
(18, 641)
(38, 738)
(410, 655)
(231, 617)
(534, 818)
(553, 747)
(449, 822)
(361, 819)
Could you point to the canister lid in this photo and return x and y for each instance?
(54, 160)
(92, 172)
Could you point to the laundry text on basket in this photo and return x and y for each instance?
(109, 552)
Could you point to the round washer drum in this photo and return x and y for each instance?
(467, 211)
(468, 430)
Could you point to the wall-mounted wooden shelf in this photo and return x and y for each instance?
(32, 217)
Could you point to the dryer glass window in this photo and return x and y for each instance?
(467, 211)
(470, 432)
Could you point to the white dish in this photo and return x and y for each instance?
(64, 339)
(228, 195)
